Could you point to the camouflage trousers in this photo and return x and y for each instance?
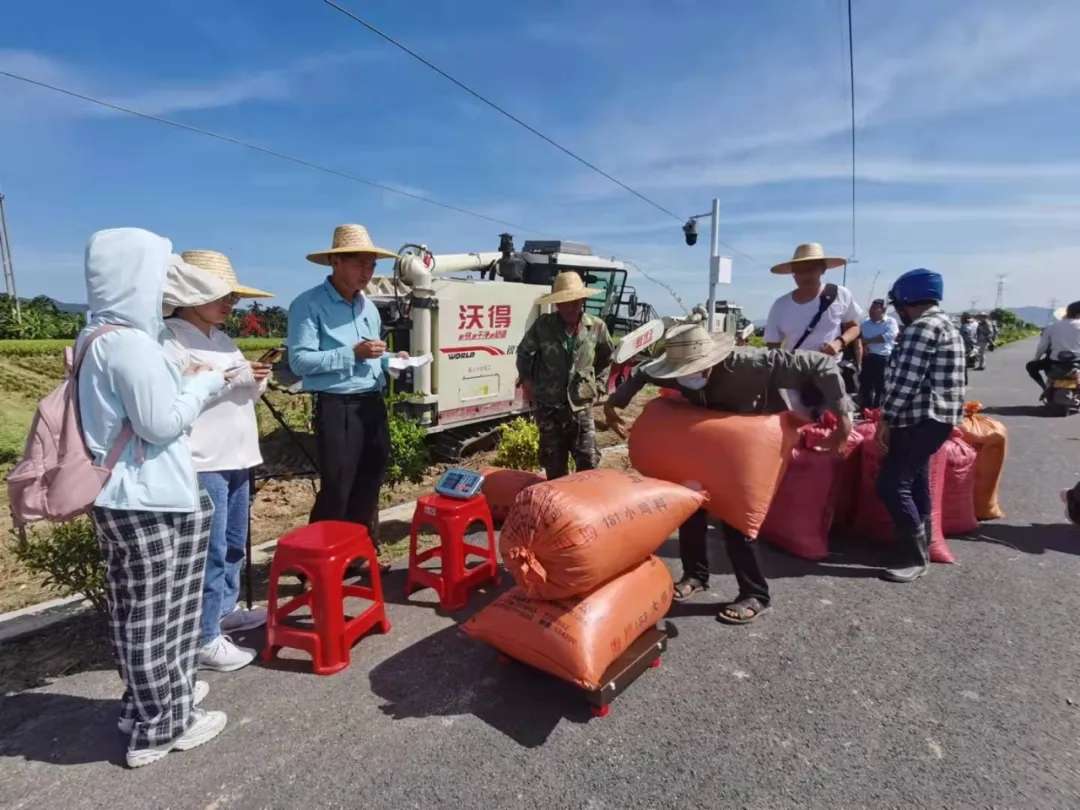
(564, 433)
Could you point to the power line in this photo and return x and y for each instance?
(266, 151)
(503, 111)
(500, 109)
(302, 162)
(851, 74)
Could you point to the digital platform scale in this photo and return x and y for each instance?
(458, 482)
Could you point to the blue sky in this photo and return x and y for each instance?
(967, 119)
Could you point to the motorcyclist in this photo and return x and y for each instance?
(1061, 336)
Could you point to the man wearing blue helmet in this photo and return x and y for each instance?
(924, 400)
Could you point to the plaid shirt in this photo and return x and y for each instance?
(925, 379)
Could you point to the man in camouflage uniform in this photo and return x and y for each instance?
(560, 362)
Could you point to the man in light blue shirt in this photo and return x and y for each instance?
(878, 334)
(336, 348)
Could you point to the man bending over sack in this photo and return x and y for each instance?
(714, 374)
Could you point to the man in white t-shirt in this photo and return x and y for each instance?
(792, 314)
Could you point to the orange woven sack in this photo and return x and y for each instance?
(501, 487)
(577, 639)
(740, 460)
(989, 438)
(566, 537)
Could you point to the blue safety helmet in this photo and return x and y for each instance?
(916, 286)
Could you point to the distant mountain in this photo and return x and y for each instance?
(75, 309)
(1040, 316)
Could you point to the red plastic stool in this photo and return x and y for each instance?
(321, 552)
(451, 517)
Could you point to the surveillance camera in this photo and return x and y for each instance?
(690, 231)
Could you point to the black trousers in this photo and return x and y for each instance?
(741, 550)
(1036, 368)
(903, 483)
(352, 436)
(872, 380)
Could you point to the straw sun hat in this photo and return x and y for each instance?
(689, 349)
(351, 239)
(810, 252)
(568, 286)
(218, 265)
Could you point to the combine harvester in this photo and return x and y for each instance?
(470, 311)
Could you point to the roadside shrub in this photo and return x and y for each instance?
(519, 445)
(408, 447)
(67, 557)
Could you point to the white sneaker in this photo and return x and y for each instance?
(204, 727)
(221, 655)
(125, 725)
(240, 620)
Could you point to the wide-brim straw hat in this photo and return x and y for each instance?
(810, 252)
(568, 286)
(351, 239)
(689, 349)
(189, 286)
(218, 264)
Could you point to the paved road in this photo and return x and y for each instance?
(957, 691)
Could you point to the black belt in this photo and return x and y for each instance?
(360, 395)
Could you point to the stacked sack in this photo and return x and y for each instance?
(990, 439)
(739, 460)
(814, 493)
(502, 486)
(581, 552)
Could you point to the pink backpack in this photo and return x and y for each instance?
(57, 478)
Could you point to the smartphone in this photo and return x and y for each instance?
(271, 356)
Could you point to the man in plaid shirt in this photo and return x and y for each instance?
(924, 400)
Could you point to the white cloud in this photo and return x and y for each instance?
(160, 97)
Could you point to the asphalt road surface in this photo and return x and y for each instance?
(957, 691)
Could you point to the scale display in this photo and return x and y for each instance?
(458, 482)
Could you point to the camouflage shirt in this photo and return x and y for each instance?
(564, 369)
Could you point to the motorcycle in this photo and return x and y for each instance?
(1062, 395)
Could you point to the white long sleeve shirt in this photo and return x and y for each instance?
(226, 434)
(1060, 336)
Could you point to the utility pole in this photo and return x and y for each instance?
(974, 304)
(999, 301)
(1053, 307)
(5, 261)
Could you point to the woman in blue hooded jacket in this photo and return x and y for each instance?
(151, 519)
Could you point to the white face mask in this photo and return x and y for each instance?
(695, 382)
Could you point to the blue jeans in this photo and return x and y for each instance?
(904, 480)
(228, 489)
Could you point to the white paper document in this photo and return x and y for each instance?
(399, 364)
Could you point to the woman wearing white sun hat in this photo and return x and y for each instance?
(224, 440)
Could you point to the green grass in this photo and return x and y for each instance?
(32, 348)
(17, 411)
(252, 344)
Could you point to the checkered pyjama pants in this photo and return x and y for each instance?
(155, 563)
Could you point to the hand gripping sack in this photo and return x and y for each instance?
(738, 459)
(804, 508)
(568, 536)
(990, 439)
(872, 519)
(579, 637)
(501, 487)
(57, 479)
(958, 504)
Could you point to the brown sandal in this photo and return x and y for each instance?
(688, 587)
(746, 611)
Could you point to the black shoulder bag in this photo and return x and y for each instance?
(809, 394)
